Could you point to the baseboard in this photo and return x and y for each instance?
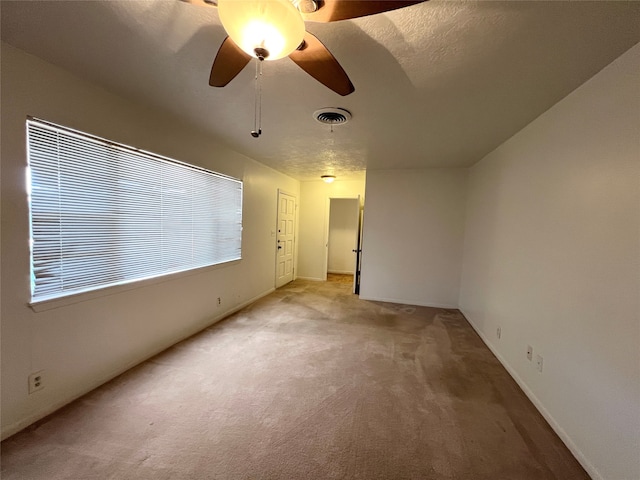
(341, 272)
(409, 302)
(313, 279)
(239, 307)
(577, 453)
(31, 419)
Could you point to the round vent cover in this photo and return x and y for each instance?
(332, 116)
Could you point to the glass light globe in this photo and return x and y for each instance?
(273, 25)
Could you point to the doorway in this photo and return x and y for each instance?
(343, 239)
(285, 238)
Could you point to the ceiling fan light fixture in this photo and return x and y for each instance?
(274, 26)
(328, 178)
(306, 6)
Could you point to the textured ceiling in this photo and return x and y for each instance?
(437, 84)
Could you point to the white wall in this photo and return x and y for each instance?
(80, 345)
(413, 236)
(343, 234)
(552, 256)
(314, 221)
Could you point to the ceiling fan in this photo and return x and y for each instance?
(273, 29)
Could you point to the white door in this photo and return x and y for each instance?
(285, 238)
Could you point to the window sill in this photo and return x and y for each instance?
(50, 304)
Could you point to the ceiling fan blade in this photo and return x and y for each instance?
(230, 60)
(334, 10)
(203, 3)
(314, 58)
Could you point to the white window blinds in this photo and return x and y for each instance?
(104, 214)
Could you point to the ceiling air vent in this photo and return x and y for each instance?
(332, 116)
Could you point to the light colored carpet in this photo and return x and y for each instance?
(307, 383)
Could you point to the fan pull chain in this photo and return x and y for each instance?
(257, 114)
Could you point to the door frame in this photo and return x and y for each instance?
(327, 215)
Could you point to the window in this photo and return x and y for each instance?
(104, 214)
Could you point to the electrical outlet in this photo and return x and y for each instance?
(499, 332)
(36, 381)
(539, 363)
(529, 352)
